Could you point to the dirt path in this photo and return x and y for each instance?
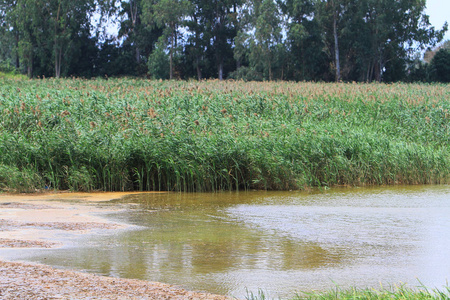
(34, 221)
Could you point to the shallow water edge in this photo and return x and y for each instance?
(280, 242)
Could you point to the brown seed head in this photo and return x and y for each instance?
(151, 113)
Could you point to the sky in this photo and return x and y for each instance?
(439, 12)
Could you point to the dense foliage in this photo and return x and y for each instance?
(125, 134)
(302, 40)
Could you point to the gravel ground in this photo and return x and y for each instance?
(68, 226)
(32, 281)
(24, 206)
(14, 243)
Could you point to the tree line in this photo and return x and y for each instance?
(304, 40)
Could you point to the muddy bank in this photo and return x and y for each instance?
(37, 221)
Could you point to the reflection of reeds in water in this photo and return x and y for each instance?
(124, 134)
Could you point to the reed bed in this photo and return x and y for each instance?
(134, 134)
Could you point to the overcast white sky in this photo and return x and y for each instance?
(439, 12)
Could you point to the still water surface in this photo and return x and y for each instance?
(280, 242)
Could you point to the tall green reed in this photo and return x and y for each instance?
(129, 134)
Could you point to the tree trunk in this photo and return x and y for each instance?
(336, 47)
(58, 49)
(302, 49)
(58, 58)
(134, 20)
(372, 67)
(221, 70)
(199, 71)
(30, 67)
(270, 70)
(171, 55)
(368, 72)
(197, 50)
(381, 67)
(379, 71)
(138, 55)
(17, 52)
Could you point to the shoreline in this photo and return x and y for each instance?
(34, 221)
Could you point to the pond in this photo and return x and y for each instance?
(279, 242)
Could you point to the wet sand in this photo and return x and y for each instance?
(36, 221)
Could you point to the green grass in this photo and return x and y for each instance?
(132, 134)
(394, 293)
(12, 75)
(397, 293)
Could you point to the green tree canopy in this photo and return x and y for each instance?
(322, 40)
(440, 66)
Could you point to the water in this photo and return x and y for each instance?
(279, 242)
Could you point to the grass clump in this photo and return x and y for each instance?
(12, 76)
(132, 134)
(10, 72)
(397, 293)
(26, 180)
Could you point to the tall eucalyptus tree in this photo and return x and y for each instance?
(46, 30)
(135, 33)
(67, 19)
(168, 14)
(330, 14)
(9, 34)
(305, 40)
(267, 22)
(397, 29)
(219, 21)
